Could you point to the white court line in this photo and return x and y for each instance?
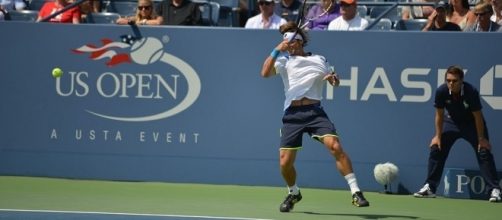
(131, 214)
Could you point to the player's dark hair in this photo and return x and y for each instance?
(455, 70)
(291, 26)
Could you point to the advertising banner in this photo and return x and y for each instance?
(182, 104)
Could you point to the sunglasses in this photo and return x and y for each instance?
(265, 3)
(144, 7)
(481, 14)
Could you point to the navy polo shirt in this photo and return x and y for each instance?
(458, 108)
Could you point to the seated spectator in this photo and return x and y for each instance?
(70, 16)
(145, 15)
(417, 11)
(350, 20)
(3, 14)
(10, 5)
(178, 12)
(460, 14)
(497, 11)
(288, 9)
(321, 14)
(483, 11)
(267, 19)
(89, 6)
(437, 20)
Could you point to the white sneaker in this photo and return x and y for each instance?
(495, 197)
(426, 192)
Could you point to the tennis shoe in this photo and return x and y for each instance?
(495, 196)
(359, 200)
(289, 202)
(425, 192)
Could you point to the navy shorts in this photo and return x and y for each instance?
(309, 119)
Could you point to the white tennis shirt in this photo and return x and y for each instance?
(302, 76)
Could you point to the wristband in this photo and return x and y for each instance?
(275, 53)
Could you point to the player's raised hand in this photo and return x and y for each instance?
(333, 79)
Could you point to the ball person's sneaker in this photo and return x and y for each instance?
(495, 196)
(289, 202)
(425, 192)
(359, 200)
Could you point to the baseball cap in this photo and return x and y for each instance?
(348, 2)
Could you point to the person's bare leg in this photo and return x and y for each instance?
(288, 171)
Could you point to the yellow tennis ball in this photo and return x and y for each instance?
(57, 72)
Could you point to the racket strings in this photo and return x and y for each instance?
(318, 16)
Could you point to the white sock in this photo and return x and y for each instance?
(352, 181)
(293, 190)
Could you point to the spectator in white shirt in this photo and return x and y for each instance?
(350, 20)
(267, 19)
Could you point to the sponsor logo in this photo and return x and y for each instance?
(143, 51)
(487, 83)
(413, 85)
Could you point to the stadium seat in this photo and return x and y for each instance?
(36, 5)
(383, 24)
(362, 10)
(410, 25)
(124, 8)
(210, 13)
(102, 18)
(228, 12)
(393, 14)
(23, 15)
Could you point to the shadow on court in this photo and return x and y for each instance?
(364, 216)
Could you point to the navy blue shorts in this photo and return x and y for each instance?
(309, 119)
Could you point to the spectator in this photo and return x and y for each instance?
(70, 16)
(267, 19)
(178, 12)
(497, 11)
(460, 14)
(483, 12)
(323, 13)
(89, 6)
(9, 5)
(350, 20)
(437, 20)
(417, 11)
(3, 14)
(458, 115)
(288, 9)
(145, 15)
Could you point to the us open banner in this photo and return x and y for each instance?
(182, 104)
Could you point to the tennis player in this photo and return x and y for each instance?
(304, 76)
(458, 115)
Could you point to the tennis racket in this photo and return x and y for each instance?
(306, 22)
(316, 17)
(299, 19)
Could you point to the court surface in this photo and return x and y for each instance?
(34, 198)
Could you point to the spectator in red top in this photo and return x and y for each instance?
(70, 16)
